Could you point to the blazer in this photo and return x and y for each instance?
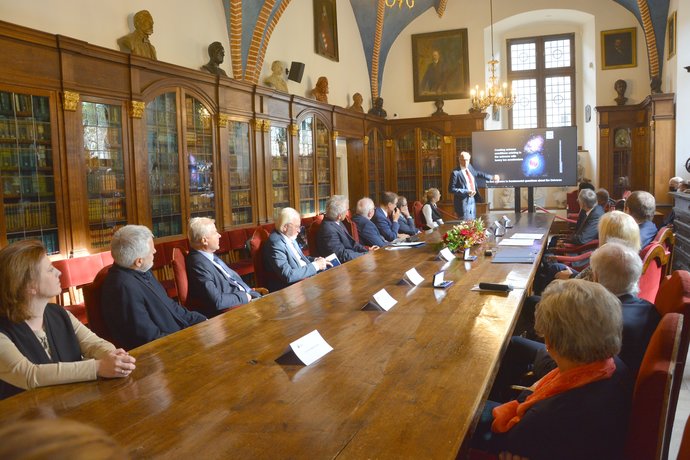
(334, 239)
(640, 319)
(457, 185)
(647, 232)
(407, 225)
(387, 228)
(210, 289)
(368, 233)
(137, 310)
(588, 229)
(280, 260)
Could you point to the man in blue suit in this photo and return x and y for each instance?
(463, 186)
(642, 206)
(213, 286)
(282, 255)
(333, 238)
(368, 233)
(135, 306)
(388, 227)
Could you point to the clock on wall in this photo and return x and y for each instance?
(687, 165)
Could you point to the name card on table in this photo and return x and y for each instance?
(382, 301)
(307, 349)
(446, 255)
(412, 277)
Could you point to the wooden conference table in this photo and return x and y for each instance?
(407, 383)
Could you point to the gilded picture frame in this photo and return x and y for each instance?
(326, 29)
(440, 65)
(618, 48)
(671, 35)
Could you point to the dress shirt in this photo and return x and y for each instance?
(220, 265)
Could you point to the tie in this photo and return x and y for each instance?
(296, 253)
(227, 271)
(470, 182)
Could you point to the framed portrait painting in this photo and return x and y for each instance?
(671, 29)
(440, 65)
(326, 29)
(618, 48)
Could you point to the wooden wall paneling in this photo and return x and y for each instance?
(349, 124)
(29, 58)
(263, 184)
(356, 169)
(663, 146)
(75, 188)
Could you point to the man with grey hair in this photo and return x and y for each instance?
(333, 238)
(586, 229)
(617, 267)
(282, 255)
(368, 233)
(135, 306)
(641, 206)
(213, 286)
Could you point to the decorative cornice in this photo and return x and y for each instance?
(365, 139)
(136, 109)
(389, 142)
(266, 127)
(447, 139)
(334, 135)
(70, 100)
(604, 132)
(258, 125)
(223, 120)
(293, 129)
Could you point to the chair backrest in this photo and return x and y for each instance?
(666, 238)
(312, 234)
(179, 268)
(684, 450)
(256, 244)
(653, 269)
(572, 203)
(351, 227)
(417, 214)
(94, 308)
(648, 418)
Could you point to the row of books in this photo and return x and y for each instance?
(164, 180)
(104, 182)
(279, 162)
(165, 204)
(101, 237)
(28, 185)
(28, 216)
(107, 209)
(279, 175)
(24, 105)
(33, 156)
(49, 239)
(243, 178)
(167, 227)
(281, 194)
(240, 198)
(407, 183)
(306, 192)
(241, 216)
(24, 129)
(107, 159)
(306, 207)
(306, 176)
(201, 201)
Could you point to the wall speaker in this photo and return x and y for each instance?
(296, 71)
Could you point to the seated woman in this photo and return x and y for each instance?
(430, 212)
(580, 409)
(406, 219)
(41, 343)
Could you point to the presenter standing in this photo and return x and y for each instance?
(463, 186)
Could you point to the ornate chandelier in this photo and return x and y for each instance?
(391, 3)
(494, 94)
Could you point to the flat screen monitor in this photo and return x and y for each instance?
(536, 157)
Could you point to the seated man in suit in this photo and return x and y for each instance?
(642, 206)
(333, 238)
(136, 307)
(282, 255)
(587, 222)
(213, 286)
(406, 221)
(388, 226)
(368, 233)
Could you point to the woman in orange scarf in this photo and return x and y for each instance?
(580, 409)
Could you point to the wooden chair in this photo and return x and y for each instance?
(240, 261)
(667, 239)
(417, 214)
(653, 269)
(94, 307)
(648, 418)
(312, 235)
(351, 227)
(179, 268)
(573, 206)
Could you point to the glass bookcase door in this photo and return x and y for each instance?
(375, 161)
(199, 151)
(279, 168)
(323, 166)
(305, 166)
(406, 165)
(239, 157)
(431, 147)
(105, 173)
(164, 165)
(26, 169)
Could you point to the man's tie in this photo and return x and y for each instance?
(470, 182)
(227, 272)
(297, 253)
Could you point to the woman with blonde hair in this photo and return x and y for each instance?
(430, 212)
(41, 343)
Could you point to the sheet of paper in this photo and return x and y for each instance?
(515, 242)
(409, 243)
(333, 259)
(527, 236)
(447, 255)
(414, 276)
(384, 300)
(310, 347)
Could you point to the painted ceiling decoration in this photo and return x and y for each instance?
(251, 23)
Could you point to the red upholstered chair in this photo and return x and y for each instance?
(240, 261)
(417, 214)
(256, 244)
(573, 206)
(648, 418)
(653, 269)
(312, 234)
(306, 223)
(666, 238)
(179, 268)
(351, 227)
(92, 298)
(684, 451)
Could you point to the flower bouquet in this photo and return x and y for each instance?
(464, 235)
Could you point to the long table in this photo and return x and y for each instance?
(407, 383)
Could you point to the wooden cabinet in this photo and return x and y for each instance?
(240, 172)
(314, 165)
(376, 164)
(681, 225)
(279, 168)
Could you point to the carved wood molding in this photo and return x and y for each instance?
(70, 100)
(136, 109)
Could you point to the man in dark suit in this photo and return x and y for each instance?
(463, 186)
(282, 255)
(406, 221)
(642, 206)
(368, 233)
(135, 306)
(387, 227)
(213, 286)
(587, 227)
(333, 238)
